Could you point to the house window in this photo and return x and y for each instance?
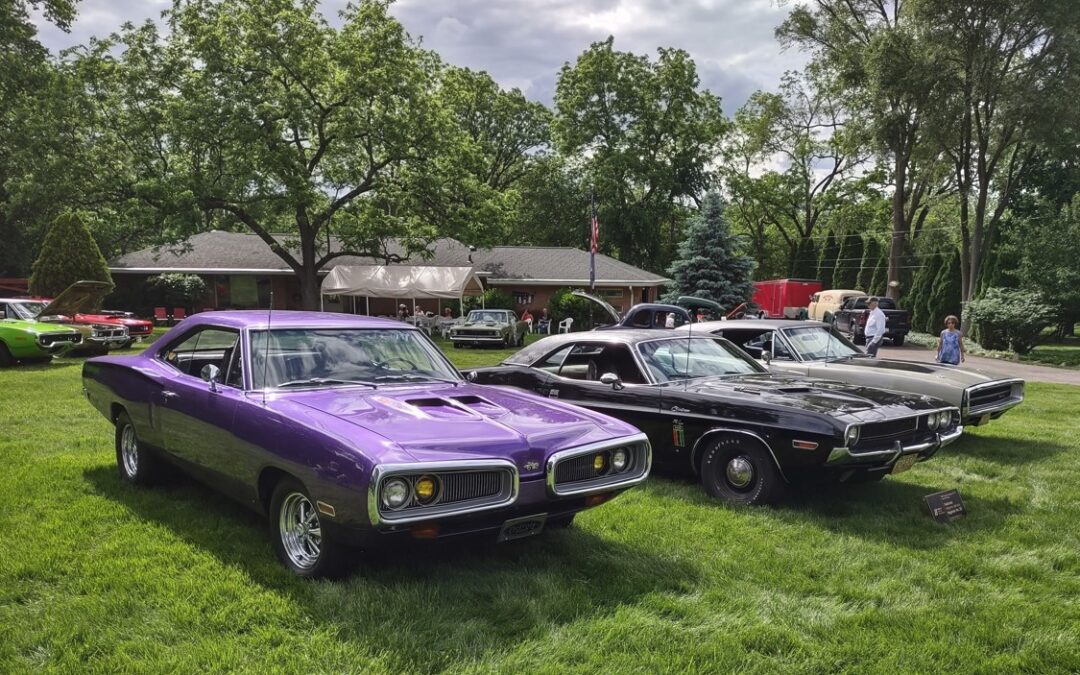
(523, 297)
(610, 292)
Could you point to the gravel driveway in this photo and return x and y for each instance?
(1030, 372)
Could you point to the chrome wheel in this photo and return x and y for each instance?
(740, 472)
(300, 531)
(129, 451)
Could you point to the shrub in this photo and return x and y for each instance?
(68, 254)
(564, 305)
(1009, 318)
(493, 299)
(185, 290)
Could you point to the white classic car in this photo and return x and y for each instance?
(500, 327)
(811, 349)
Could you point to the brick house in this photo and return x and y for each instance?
(240, 270)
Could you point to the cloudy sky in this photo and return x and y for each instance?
(523, 43)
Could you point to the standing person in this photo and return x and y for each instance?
(950, 344)
(875, 327)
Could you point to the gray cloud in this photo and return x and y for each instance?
(524, 43)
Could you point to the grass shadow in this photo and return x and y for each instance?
(413, 598)
(1010, 451)
(889, 511)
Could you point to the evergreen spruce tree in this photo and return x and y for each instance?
(866, 266)
(878, 282)
(68, 254)
(846, 274)
(945, 297)
(710, 262)
(914, 298)
(827, 261)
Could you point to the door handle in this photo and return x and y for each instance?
(169, 395)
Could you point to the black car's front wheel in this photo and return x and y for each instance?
(740, 471)
(298, 536)
(137, 465)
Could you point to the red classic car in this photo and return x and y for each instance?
(137, 328)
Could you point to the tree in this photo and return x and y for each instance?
(69, 254)
(849, 262)
(891, 75)
(827, 261)
(803, 129)
(645, 135)
(1047, 247)
(1007, 73)
(710, 261)
(261, 116)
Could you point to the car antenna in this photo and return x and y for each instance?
(266, 344)
(689, 336)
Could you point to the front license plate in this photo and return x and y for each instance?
(905, 462)
(519, 528)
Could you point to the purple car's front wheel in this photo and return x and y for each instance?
(300, 530)
(299, 539)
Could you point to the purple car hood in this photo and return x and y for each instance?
(444, 422)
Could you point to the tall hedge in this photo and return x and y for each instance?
(68, 254)
(944, 298)
(826, 268)
(846, 274)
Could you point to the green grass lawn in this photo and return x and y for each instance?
(99, 576)
(1063, 354)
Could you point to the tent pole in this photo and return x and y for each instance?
(322, 307)
(367, 305)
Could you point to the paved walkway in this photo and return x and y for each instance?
(1028, 371)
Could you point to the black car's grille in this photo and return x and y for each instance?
(889, 430)
(56, 338)
(466, 485)
(471, 332)
(990, 395)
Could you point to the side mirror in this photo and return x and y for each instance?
(211, 374)
(611, 379)
(766, 356)
(470, 375)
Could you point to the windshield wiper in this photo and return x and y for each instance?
(324, 380)
(412, 377)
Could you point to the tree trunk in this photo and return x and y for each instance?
(899, 227)
(308, 275)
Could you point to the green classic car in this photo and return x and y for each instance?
(31, 340)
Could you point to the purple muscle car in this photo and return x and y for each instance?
(348, 430)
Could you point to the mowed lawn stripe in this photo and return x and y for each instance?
(98, 575)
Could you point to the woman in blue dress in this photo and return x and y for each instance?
(950, 346)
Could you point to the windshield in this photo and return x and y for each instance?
(27, 310)
(343, 356)
(817, 343)
(681, 358)
(486, 316)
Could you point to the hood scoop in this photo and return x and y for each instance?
(455, 406)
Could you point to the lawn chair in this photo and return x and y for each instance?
(530, 323)
(178, 314)
(161, 316)
(565, 324)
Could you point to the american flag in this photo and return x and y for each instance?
(593, 244)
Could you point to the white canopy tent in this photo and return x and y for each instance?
(402, 281)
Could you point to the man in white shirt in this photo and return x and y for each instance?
(875, 327)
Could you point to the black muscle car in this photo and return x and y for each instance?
(711, 411)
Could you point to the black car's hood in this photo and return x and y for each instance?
(820, 396)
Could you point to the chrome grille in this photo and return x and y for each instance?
(890, 429)
(989, 395)
(459, 487)
(467, 332)
(53, 338)
(580, 468)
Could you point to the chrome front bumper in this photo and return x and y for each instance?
(843, 455)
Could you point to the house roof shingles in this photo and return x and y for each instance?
(218, 252)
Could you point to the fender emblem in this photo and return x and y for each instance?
(677, 409)
(531, 466)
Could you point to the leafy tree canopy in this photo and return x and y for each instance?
(69, 254)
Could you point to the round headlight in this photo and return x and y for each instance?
(932, 421)
(599, 462)
(395, 492)
(945, 419)
(620, 459)
(852, 435)
(426, 488)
